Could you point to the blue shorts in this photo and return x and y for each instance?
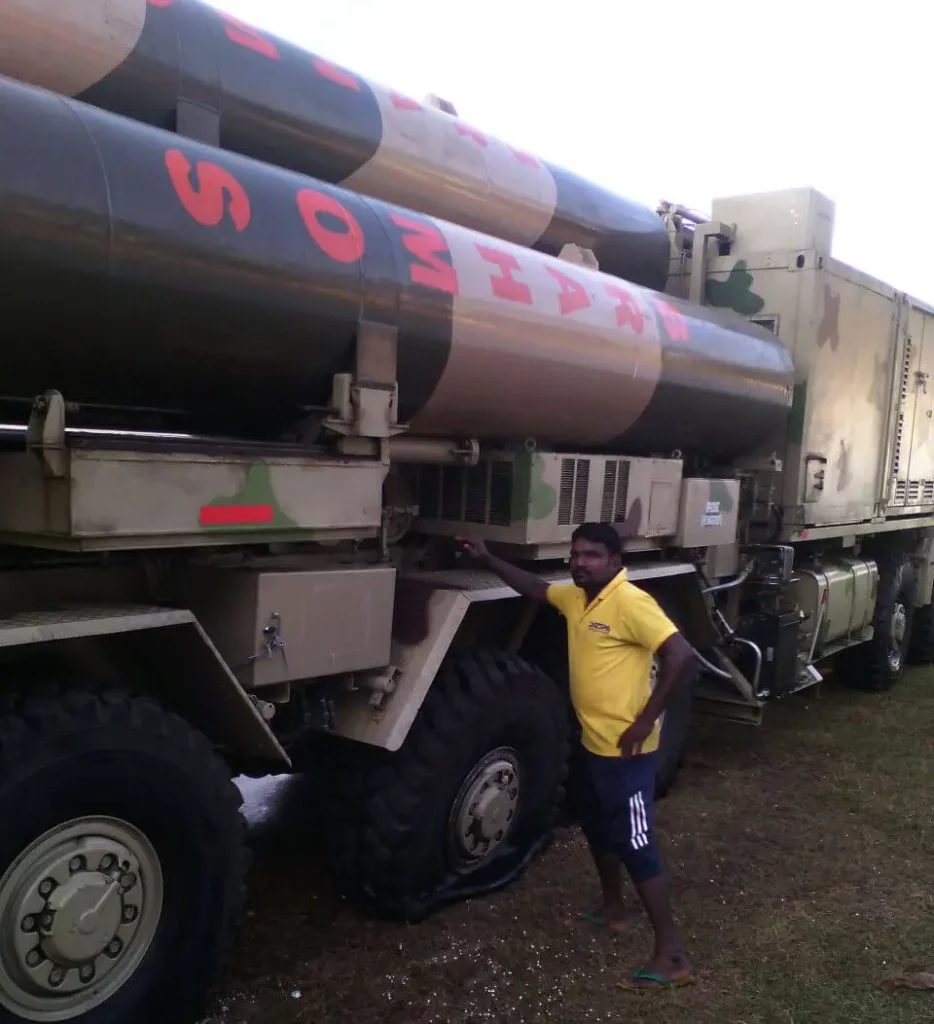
(613, 797)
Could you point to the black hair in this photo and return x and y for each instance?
(599, 533)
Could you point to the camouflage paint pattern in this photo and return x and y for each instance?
(254, 505)
(735, 292)
(266, 98)
(209, 282)
(533, 497)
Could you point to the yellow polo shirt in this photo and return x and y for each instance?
(610, 646)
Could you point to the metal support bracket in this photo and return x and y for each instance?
(703, 233)
(45, 434)
(366, 402)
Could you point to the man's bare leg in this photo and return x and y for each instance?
(668, 959)
(612, 910)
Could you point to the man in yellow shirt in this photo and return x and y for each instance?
(614, 629)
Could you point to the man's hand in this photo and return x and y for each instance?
(474, 547)
(521, 581)
(630, 742)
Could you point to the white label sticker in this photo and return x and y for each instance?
(713, 508)
(711, 520)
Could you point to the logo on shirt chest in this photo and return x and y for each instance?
(598, 627)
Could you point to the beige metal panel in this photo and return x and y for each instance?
(709, 513)
(918, 427)
(211, 696)
(800, 218)
(418, 665)
(134, 498)
(848, 394)
(839, 325)
(276, 627)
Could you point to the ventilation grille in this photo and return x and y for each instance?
(572, 496)
(913, 492)
(902, 397)
(615, 491)
(501, 484)
(481, 494)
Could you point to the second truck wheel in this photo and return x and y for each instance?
(468, 800)
(879, 663)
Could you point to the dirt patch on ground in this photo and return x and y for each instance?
(800, 857)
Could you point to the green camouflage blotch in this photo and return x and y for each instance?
(533, 496)
(735, 292)
(829, 327)
(719, 492)
(842, 466)
(257, 490)
(543, 498)
(879, 387)
(799, 404)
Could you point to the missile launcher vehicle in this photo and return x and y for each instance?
(275, 335)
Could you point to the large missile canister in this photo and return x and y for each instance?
(182, 65)
(138, 269)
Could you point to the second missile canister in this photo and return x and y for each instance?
(139, 269)
(185, 66)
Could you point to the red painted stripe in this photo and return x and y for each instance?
(235, 515)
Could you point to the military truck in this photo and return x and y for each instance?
(275, 335)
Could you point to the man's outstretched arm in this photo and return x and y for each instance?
(525, 583)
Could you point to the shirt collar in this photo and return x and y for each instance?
(617, 581)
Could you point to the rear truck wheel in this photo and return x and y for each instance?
(878, 664)
(470, 798)
(921, 645)
(122, 860)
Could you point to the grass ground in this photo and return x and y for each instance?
(801, 857)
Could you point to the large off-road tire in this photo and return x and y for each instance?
(921, 645)
(122, 860)
(878, 664)
(469, 799)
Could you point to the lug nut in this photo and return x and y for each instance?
(46, 920)
(29, 924)
(129, 914)
(34, 958)
(127, 882)
(45, 887)
(114, 948)
(86, 974)
(76, 864)
(56, 976)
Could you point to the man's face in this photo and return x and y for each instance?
(591, 563)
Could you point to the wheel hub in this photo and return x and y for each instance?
(485, 809)
(78, 910)
(899, 625)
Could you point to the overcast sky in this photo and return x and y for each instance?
(682, 101)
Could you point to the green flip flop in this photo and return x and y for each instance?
(599, 921)
(596, 919)
(656, 981)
